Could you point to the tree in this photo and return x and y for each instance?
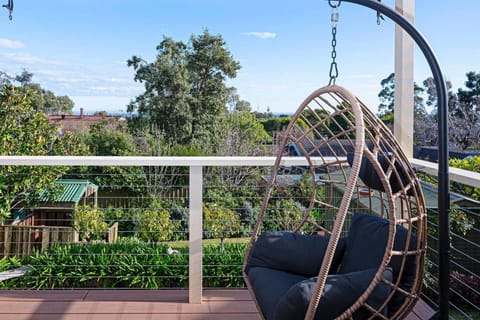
(112, 138)
(210, 64)
(387, 94)
(42, 100)
(464, 121)
(24, 131)
(220, 223)
(470, 97)
(46, 101)
(387, 98)
(89, 223)
(185, 94)
(385, 109)
(165, 103)
(154, 225)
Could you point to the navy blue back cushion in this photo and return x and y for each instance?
(340, 292)
(292, 252)
(371, 179)
(366, 243)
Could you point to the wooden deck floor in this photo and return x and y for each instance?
(136, 305)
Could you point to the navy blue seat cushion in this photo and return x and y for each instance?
(294, 253)
(340, 292)
(370, 177)
(269, 286)
(366, 243)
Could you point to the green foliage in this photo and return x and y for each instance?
(460, 222)
(185, 94)
(470, 164)
(387, 118)
(244, 135)
(25, 131)
(112, 139)
(9, 263)
(124, 218)
(220, 222)
(386, 95)
(129, 263)
(154, 224)
(44, 100)
(89, 222)
(470, 96)
(276, 124)
(284, 214)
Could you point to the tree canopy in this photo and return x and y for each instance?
(185, 91)
(42, 99)
(26, 131)
(463, 107)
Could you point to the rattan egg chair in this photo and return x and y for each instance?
(357, 249)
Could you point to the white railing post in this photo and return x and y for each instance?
(195, 226)
(404, 84)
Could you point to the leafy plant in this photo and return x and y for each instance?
(154, 225)
(129, 263)
(219, 222)
(89, 222)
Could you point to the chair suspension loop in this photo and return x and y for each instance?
(333, 66)
(334, 3)
(379, 16)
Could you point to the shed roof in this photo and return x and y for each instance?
(72, 190)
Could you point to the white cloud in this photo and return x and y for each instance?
(29, 59)
(261, 35)
(11, 44)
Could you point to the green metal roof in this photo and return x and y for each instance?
(72, 190)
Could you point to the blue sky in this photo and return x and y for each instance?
(79, 47)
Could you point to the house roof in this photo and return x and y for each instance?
(79, 122)
(73, 190)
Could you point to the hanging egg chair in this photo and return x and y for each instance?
(357, 248)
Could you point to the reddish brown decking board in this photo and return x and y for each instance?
(136, 305)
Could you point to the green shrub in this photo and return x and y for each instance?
(284, 214)
(129, 263)
(89, 222)
(219, 222)
(154, 225)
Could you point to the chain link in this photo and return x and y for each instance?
(333, 65)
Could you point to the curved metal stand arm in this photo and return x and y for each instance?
(443, 172)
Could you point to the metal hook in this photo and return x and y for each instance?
(9, 7)
(330, 3)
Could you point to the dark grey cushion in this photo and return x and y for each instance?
(340, 292)
(292, 252)
(269, 286)
(366, 243)
(371, 179)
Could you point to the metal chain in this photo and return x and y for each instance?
(333, 65)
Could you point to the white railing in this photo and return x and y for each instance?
(196, 165)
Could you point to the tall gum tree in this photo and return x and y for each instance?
(185, 89)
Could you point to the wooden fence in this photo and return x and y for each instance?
(20, 241)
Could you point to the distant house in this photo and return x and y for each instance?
(58, 212)
(81, 122)
(343, 146)
(431, 153)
